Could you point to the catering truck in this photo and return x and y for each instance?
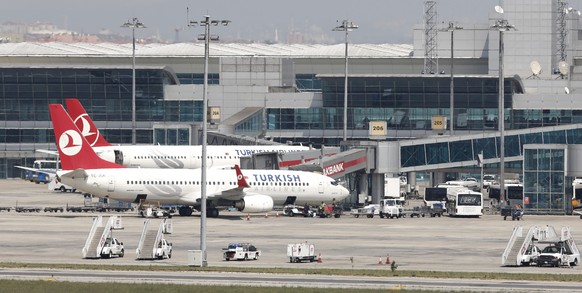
(298, 252)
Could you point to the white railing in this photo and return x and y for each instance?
(517, 232)
(96, 223)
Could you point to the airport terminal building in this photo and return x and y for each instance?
(296, 92)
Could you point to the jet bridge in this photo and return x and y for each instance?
(150, 238)
(99, 234)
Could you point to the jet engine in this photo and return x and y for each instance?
(107, 155)
(257, 203)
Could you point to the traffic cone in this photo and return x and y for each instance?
(319, 260)
(380, 260)
(266, 215)
(387, 259)
(277, 214)
(248, 217)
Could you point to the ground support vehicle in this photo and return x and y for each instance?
(432, 211)
(513, 212)
(293, 210)
(54, 209)
(5, 209)
(55, 184)
(298, 252)
(26, 210)
(414, 212)
(577, 212)
(241, 251)
(164, 250)
(422, 211)
(557, 255)
(330, 211)
(391, 208)
(112, 247)
(530, 256)
(369, 211)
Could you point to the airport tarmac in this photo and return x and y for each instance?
(433, 244)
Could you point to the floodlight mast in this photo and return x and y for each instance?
(452, 28)
(206, 37)
(502, 25)
(346, 26)
(133, 24)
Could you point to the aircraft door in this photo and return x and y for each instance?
(118, 157)
(111, 184)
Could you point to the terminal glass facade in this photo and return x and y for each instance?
(105, 93)
(409, 102)
(405, 102)
(543, 179)
(467, 150)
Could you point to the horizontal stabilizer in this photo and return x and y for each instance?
(77, 173)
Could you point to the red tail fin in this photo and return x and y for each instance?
(74, 150)
(85, 124)
(240, 178)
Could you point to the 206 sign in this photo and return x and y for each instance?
(378, 128)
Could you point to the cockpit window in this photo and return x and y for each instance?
(334, 183)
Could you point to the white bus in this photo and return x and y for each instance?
(465, 203)
(513, 193)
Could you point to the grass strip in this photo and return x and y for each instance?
(310, 271)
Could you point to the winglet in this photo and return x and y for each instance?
(240, 178)
(74, 150)
(85, 124)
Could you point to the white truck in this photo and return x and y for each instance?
(557, 254)
(164, 249)
(241, 251)
(112, 247)
(55, 184)
(391, 208)
(298, 252)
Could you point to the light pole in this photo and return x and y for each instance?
(452, 28)
(133, 24)
(206, 37)
(501, 25)
(346, 26)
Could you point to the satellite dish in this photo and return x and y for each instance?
(498, 9)
(563, 67)
(535, 67)
(567, 90)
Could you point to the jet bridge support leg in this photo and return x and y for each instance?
(363, 185)
(377, 187)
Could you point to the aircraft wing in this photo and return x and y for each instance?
(44, 171)
(49, 152)
(77, 173)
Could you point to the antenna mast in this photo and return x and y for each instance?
(562, 32)
(430, 37)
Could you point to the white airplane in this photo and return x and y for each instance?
(252, 192)
(158, 156)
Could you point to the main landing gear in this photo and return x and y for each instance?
(186, 211)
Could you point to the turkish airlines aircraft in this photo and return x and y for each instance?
(251, 192)
(157, 156)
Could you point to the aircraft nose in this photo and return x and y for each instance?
(344, 192)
